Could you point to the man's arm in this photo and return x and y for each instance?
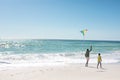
(90, 48)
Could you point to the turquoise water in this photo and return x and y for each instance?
(69, 51)
(57, 46)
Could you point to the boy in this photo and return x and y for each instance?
(99, 61)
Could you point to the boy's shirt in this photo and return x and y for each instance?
(99, 58)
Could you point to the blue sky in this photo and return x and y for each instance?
(60, 19)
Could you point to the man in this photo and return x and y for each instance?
(87, 54)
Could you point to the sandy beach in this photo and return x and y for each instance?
(62, 72)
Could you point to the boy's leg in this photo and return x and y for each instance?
(100, 65)
(97, 64)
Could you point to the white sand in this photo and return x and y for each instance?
(64, 72)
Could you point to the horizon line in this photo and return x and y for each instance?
(57, 39)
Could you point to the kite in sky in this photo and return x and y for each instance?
(84, 32)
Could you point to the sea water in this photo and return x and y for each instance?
(49, 51)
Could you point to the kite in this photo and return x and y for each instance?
(84, 32)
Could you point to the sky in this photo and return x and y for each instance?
(60, 19)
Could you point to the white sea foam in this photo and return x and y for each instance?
(53, 59)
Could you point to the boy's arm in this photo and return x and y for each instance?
(101, 58)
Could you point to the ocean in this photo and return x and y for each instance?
(32, 52)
